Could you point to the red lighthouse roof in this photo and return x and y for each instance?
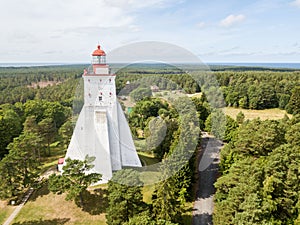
(61, 161)
(98, 52)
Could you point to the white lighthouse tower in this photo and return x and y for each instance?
(101, 129)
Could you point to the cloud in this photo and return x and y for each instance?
(138, 4)
(200, 24)
(232, 20)
(296, 3)
(41, 26)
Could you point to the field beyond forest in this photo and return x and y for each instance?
(37, 110)
(250, 114)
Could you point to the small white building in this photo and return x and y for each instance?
(154, 88)
(102, 130)
(60, 164)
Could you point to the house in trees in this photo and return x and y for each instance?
(60, 164)
(154, 88)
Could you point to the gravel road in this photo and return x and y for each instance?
(208, 172)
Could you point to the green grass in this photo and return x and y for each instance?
(5, 211)
(147, 159)
(148, 177)
(147, 192)
(47, 208)
(195, 95)
(271, 114)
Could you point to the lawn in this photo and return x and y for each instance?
(272, 114)
(147, 159)
(45, 208)
(5, 211)
(195, 95)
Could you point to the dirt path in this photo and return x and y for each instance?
(208, 172)
(26, 197)
(19, 207)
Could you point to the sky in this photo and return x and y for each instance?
(214, 30)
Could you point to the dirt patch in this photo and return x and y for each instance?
(2, 204)
(43, 84)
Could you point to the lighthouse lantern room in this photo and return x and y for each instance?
(99, 56)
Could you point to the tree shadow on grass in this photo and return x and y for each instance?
(41, 191)
(94, 203)
(44, 222)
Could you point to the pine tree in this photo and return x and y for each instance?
(125, 197)
(75, 179)
(293, 106)
(165, 201)
(240, 117)
(19, 169)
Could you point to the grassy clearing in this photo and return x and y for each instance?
(5, 211)
(47, 208)
(147, 159)
(147, 192)
(271, 114)
(195, 95)
(148, 177)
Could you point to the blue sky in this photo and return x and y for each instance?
(215, 30)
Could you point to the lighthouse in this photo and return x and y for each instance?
(102, 130)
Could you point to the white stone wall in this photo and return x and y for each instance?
(99, 90)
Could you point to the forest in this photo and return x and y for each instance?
(259, 168)
(260, 174)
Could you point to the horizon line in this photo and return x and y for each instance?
(205, 62)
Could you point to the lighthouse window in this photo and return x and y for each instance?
(100, 98)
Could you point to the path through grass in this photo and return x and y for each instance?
(5, 211)
(47, 208)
